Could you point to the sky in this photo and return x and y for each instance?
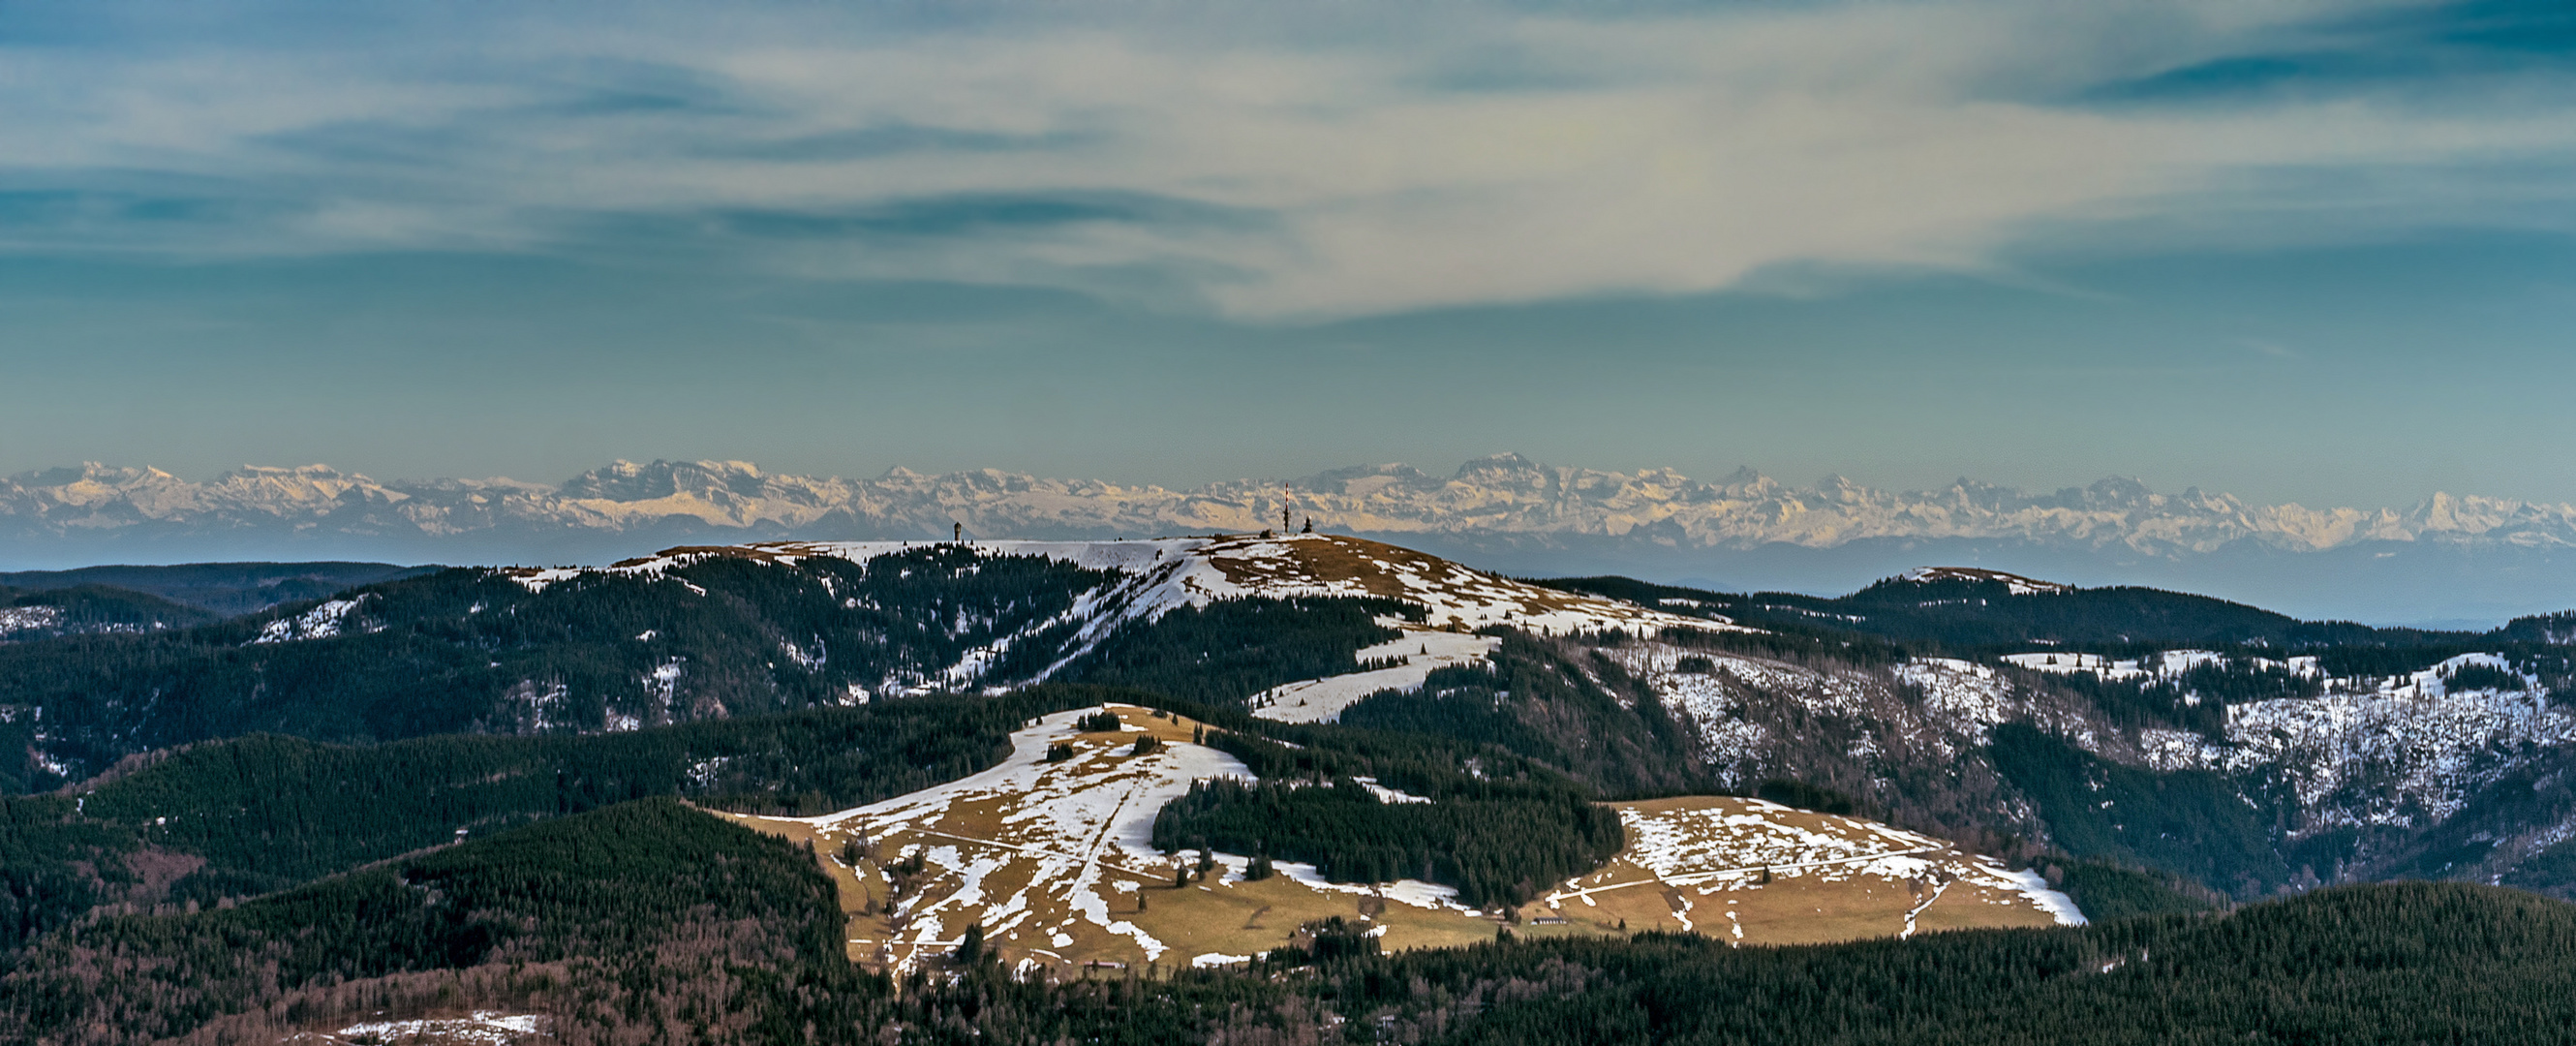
(2296, 251)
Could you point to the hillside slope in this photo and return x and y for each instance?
(1054, 862)
(641, 921)
(220, 589)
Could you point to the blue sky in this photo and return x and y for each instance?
(2296, 251)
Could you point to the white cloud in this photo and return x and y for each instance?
(1430, 158)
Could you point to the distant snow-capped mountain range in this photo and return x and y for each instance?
(1746, 530)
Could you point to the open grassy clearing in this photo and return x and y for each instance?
(1756, 872)
(1052, 857)
(1457, 598)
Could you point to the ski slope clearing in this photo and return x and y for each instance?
(1754, 872)
(1418, 652)
(1052, 857)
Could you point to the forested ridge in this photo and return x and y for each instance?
(2473, 789)
(219, 589)
(1970, 616)
(224, 820)
(219, 821)
(644, 917)
(1497, 826)
(93, 608)
(1976, 619)
(2386, 964)
(717, 634)
(474, 651)
(1531, 698)
(1221, 653)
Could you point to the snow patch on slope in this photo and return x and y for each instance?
(480, 1028)
(1420, 650)
(29, 619)
(2160, 665)
(2407, 754)
(2406, 751)
(321, 622)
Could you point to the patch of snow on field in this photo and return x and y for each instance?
(1414, 892)
(1735, 844)
(1677, 845)
(2035, 887)
(1742, 844)
(1077, 825)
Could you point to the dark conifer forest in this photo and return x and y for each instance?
(649, 922)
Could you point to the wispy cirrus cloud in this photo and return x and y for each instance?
(1284, 162)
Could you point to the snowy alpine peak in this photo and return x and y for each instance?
(2017, 584)
(1506, 497)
